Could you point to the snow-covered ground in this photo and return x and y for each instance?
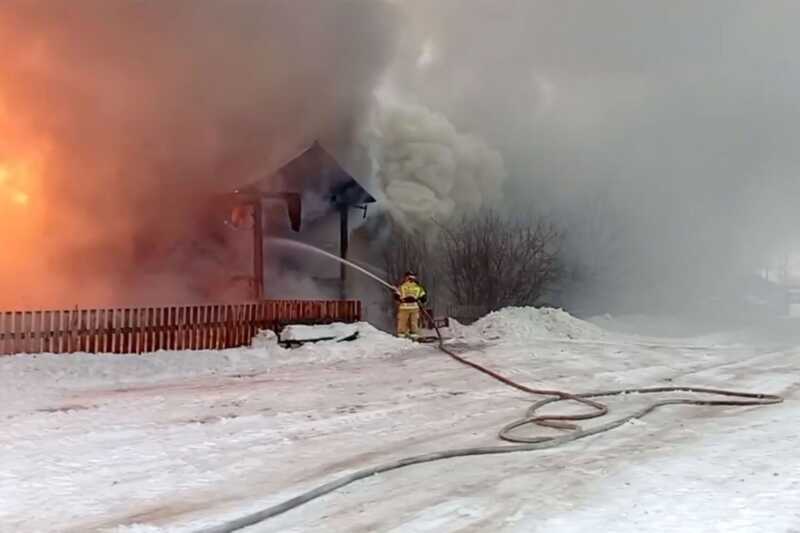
(180, 441)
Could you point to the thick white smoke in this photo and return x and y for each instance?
(428, 171)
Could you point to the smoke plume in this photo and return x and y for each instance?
(426, 170)
(659, 135)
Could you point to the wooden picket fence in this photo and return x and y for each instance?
(148, 329)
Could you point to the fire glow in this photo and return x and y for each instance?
(13, 183)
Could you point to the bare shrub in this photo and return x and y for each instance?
(489, 261)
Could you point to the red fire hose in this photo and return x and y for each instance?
(522, 444)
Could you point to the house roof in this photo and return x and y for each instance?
(315, 170)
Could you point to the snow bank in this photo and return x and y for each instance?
(521, 323)
(49, 370)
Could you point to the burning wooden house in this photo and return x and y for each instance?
(319, 197)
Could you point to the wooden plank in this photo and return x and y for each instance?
(67, 314)
(114, 336)
(100, 331)
(175, 327)
(147, 324)
(230, 326)
(235, 324)
(80, 330)
(122, 338)
(178, 328)
(3, 334)
(12, 333)
(147, 330)
(51, 326)
(75, 330)
(97, 332)
(190, 327)
(91, 331)
(187, 327)
(198, 327)
(154, 338)
(165, 334)
(133, 327)
(217, 327)
(5, 326)
(131, 322)
(124, 323)
(27, 330)
(212, 339)
(66, 331)
(247, 319)
(239, 323)
(141, 325)
(63, 331)
(16, 332)
(136, 332)
(50, 329)
(170, 324)
(152, 321)
(87, 328)
(104, 331)
(212, 327)
(204, 327)
(160, 312)
(253, 326)
(205, 313)
(141, 331)
(119, 338)
(37, 335)
(108, 345)
(193, 327)
(181, 317)
(123, 331)
(243, 338)
(248, 324)
(225, 323)
(109, 331)
(58, 340)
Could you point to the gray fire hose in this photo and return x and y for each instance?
(521, 443)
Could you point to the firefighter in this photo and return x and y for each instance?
(410, 294)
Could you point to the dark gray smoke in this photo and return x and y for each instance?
(661, 135)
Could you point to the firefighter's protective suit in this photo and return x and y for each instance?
(409, 295)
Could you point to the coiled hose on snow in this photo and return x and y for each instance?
(521, 443)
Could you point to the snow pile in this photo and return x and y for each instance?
(303, 333)
(49, 370)
(371, 342)
(521, 323)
